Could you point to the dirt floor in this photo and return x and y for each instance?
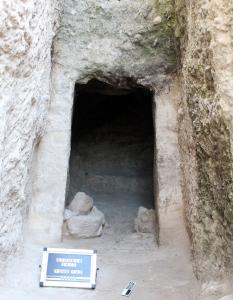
(162, 273)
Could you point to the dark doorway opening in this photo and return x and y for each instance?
(112, 150)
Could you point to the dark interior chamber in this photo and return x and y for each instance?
(112, 149)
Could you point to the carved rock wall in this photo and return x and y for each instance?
(114, 40)
(26, 32)
(206, 120)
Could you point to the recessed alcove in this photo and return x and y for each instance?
(112, 150)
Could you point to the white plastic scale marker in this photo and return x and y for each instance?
(128, 290)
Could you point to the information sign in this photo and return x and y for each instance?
(68, 268)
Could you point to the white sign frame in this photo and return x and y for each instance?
(45, 282)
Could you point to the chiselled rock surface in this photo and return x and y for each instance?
(206, 135)
(114, 40)
(26, 32)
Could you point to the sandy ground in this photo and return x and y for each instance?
(161, 273)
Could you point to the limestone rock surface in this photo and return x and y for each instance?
(205, 132)
(68, 214)
(145, 221)
(113, 40)
(86, 226)
(228, 297)
(27, 29)
(82, 204)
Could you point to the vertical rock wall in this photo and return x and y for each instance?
(206, 120)
(26, 32)
(169, 193)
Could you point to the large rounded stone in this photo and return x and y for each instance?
(145, 221)
(86, 226)
(82, 204)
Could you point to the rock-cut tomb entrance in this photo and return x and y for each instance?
(112, 150)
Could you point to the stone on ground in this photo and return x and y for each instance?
(86, 226)
(145, 221)
(82, 204)
(68, 214)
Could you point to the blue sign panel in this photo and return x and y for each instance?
(68, 268)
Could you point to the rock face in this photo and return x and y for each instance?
(115, 40)
(82, 204)
(145, 221)
(26, 32)
(86, 226)
(205, 131)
